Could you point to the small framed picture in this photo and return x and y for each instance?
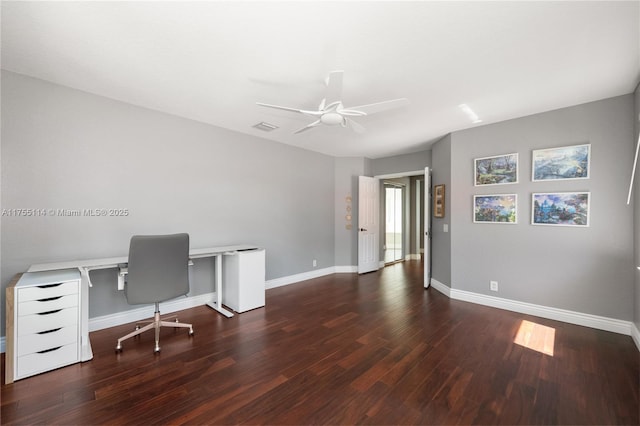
(567, 162)
(560, 209)
(502, 208)
(438, 201)
(497, 170)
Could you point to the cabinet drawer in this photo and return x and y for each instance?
(35, 363)
(47, 291)
(31, 324)
(47, 305)
(43, 341)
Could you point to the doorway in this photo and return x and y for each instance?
(416, 235)
(394, 222)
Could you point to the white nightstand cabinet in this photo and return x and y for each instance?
(43, 323)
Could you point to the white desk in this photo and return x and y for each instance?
(88, 265)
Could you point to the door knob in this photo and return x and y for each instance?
(362, 229)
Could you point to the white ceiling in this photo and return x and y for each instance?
(211, 61)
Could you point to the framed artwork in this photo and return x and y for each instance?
(560, 209)
(438, 201)
(496, 170)
(502, 208)
(567, 162)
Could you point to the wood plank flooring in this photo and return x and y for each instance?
(342, 349)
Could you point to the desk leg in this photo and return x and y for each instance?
(85, 344)
(217, 304)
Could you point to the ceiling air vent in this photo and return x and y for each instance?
(265, 126)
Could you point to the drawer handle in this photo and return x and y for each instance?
(49, 299)
(49, 331)
(49, 312)
(49, 350)
(49, 285)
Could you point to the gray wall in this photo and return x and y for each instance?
(67, 149)
(636, 204)
(587, 270)
(347, 170)
(401, 163)
(441, 241)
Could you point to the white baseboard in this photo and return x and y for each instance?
(346, 269)
(279, 282)
(602, 323)
(635, 335)
(412, 256)
(442, 288)
(112, 320)
(571, 317)
(119, 318)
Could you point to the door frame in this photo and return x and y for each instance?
(404, 213)
(427, 213)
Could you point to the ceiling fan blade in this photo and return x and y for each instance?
(334, 87)
(308, 126)
(356, 127)
(301, 111)
(280, 107)
(352, 112)
(379, 106)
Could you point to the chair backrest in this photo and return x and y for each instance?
(158, 268)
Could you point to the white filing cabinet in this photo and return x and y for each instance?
(43, 323)
(243, 279)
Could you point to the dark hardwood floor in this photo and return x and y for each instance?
(342, 349)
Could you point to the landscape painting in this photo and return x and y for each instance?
(569, 162)
(560, 209)
(495, 208)
(496, 170)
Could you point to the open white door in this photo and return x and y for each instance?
(368, 224)
(427, 227)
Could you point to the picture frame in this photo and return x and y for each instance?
(560, 209)
(562, 163)
(438, 201)
(496, 170)
(496, 208)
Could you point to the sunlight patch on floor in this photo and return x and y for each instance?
(537, 337)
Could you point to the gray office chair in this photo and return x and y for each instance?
(158, 270)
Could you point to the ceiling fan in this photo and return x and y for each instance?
(331, 111)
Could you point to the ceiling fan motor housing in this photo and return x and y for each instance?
(332, 118)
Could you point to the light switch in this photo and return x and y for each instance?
(445, 227)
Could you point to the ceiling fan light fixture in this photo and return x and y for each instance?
(472, 115)
(331, 111)
(332, 118)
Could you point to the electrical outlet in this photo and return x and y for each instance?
(493, 285)
(315, 263)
